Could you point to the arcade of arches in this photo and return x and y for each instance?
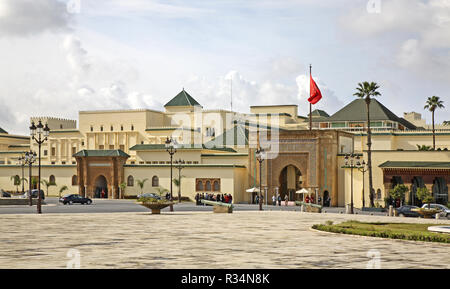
(435, 180)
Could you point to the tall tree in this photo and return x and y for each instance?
(366, 91)
(431, 104)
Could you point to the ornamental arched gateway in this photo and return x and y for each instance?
(91, 164)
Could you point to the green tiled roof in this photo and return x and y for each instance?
(238, 135)
(319, 112)
(406, 164)
(101, 153)
(2, 130)
(356, 111)
(150, 147)
(182, 99)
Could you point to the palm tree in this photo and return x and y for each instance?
(16, 180)
(431, 104)
(365, 91)
(141, 184)
(47, 184)
(161, 190)
(122, 187)
(62, 189)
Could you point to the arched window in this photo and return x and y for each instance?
(130, 181)
(155, 181)
(74, 180)
(199, 186)
(379, 194)
(52, 180)
(216, 186)
(208, 186)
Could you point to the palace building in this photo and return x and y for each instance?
(113, 148)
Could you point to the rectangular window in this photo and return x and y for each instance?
(74, 150)
(101, 147)
(337, 124)
(45, 152)
(122, 147)
(53, 151)
(111, 147)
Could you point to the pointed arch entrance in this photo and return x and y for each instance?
(101, 187)
(290, 181)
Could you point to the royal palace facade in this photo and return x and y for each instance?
(113, 150)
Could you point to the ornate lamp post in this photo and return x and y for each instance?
(260, 157)
(171, 148)
(179, 165)
(352, 162)
(40, 134)
(362, 167)
(30, 158)
(22, 164)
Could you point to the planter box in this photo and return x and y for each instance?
(155, 207)
(18, 202)
(223, 209)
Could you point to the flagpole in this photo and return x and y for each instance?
(310, 105)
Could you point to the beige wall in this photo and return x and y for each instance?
(63, 176)
(228, 182)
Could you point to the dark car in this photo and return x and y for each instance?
(75, 199)
(34, 194)
(5, 194)
(405, 211)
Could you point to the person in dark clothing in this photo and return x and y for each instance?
(279, 200)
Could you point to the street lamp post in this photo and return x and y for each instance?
(362, 167)
(40, 134)
(179, 165)
(260, 157)
(171, 148)
(352, 161)
(30, 158)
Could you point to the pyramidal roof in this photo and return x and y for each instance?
(2, 130)
(182, 99)
(357, 111)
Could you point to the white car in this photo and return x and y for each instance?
(445, 212)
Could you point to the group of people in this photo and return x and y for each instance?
(278, 199)
(224, 198)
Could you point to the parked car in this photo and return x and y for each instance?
(405, 211)
(74, 199)
(34, 194)
(149, 195)
(5, 194)
(445, 212)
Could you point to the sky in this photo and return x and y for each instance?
(58, 57)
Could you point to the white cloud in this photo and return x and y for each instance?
(417, 31)
(30, 17)
(216, 93)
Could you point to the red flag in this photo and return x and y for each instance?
(315, 94)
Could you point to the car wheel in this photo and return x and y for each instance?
(401, 215)
(70, 202)
(89, 202)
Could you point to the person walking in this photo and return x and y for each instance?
(286, 199)
(279, 200)
(274, 200)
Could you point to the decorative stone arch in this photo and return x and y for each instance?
(155, 181)
(74, 180)
(130, 181)
(52, 179)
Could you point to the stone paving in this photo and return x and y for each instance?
(245, 239)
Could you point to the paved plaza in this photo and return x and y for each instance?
(244, 239)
